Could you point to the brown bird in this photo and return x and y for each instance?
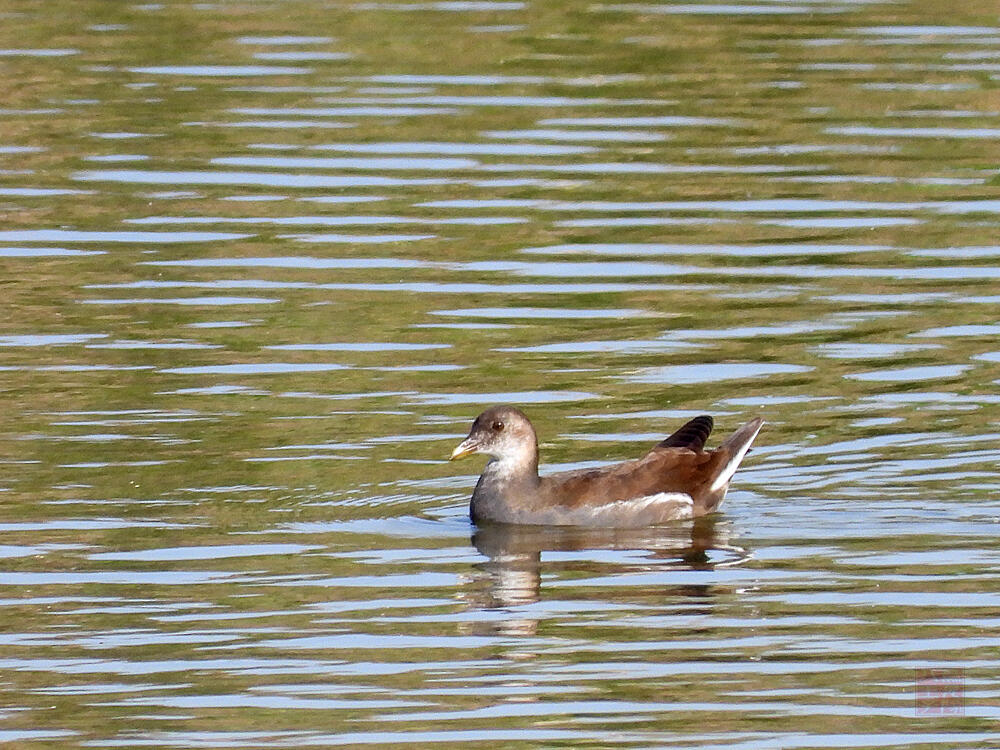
(677, 479)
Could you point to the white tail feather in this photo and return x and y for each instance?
(739, 443)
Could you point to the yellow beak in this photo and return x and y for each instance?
(464, 448)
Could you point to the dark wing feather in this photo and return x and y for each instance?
(692, 435)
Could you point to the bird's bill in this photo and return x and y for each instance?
(464, 448)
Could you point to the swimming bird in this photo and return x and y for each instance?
(676, 479)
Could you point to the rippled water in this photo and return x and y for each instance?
(263, 263)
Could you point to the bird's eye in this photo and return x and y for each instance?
(497, 426)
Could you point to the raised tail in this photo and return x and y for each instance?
(736, 446)
(692, 435)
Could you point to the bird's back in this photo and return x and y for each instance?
(676, 471)
(662, 471)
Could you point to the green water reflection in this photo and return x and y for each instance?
(262, 263)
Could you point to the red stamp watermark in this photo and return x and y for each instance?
(939, 692)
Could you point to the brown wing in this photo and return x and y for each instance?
(702, 475)
(660, 470)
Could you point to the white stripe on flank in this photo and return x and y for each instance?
(663, 506)
(637, 512)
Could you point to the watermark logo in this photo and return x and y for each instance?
(939, 692)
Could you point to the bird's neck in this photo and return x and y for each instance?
(507, 484)
(513, 470)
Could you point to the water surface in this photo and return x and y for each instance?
(263, 263)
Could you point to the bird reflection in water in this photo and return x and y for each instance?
(511, 576)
